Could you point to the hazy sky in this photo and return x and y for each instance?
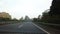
(19, 8)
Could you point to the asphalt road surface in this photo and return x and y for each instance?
(24, 28)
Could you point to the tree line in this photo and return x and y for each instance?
(51, 15)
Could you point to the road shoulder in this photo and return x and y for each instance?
(49, 29)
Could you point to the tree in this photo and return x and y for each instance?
(54, 12)
(39, 16)
(15, 19)
(5, 16)
(21, 18)
(55, 8)
(50, 19)
(27, 18)
(35, 20)
(45, 16)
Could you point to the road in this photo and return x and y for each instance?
(24, 28)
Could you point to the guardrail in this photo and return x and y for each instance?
(8, 22)
(56, 26)
(50, 24)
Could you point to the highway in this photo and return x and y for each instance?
(23, 28)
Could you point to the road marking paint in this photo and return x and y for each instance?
(20, 26)
(41, 28)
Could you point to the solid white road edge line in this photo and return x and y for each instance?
(40, 28)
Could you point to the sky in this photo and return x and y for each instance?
(21, 8)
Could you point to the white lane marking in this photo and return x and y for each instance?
(41, 28)
(20, 26)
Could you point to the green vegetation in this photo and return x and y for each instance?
(5, 18)
(8, 20)
(48, 20)
(54, 19)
